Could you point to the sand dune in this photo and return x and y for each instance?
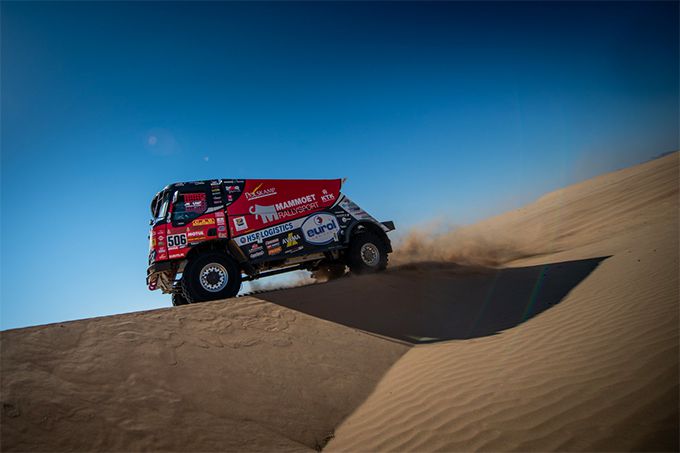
(598, 371)
(592, 218)
(247, 375)
(572, 344)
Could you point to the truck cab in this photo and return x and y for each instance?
(208, 236)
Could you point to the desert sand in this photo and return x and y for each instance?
(552, 327)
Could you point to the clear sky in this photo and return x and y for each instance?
(432, 110)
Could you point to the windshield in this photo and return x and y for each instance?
(162, 210)
(159, 206)
(188, 206)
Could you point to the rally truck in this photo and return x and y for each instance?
(209, 236)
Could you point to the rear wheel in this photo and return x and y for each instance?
(367, 253)
(211, 276)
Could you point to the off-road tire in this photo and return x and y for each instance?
(178, 299)
(367, 242)
(214, 266)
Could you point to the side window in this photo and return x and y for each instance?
(188, 206)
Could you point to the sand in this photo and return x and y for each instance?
(568, 342)
(247, 375)
(596, 372)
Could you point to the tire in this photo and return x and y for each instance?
(211, 276)
(367, 254)
(178, 299)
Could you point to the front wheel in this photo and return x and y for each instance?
(178, 299)
(367, 253)
(211, 276)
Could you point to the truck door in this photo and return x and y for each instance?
(195, 216)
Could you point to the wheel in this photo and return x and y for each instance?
(328, 271)
(178, 299)
(211, 276)
(367, 253)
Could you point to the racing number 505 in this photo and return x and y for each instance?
(177, 240)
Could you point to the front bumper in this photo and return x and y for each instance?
(160, 267)
(161, 275)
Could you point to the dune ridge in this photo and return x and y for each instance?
(567, 223)
(598, 372)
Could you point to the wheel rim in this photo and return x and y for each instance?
(370, 254)
(214, 277)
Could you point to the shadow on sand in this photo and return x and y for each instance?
(430, 302)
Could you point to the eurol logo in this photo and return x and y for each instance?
(320, 229)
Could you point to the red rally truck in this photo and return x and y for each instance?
(208, 236)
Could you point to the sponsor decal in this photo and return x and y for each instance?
(230, 197)
(289, 208)
(291, 240)
(255, 251)
(194, 202)
(327, 197)
(261, 235)
(320, 229)
(221, 228)
(354, 210)
(161, 250)
(220, 220)
(177, 240)
(195, 234)
(266, 214)
(294, 249)
(240, 223)
(221, 235)
(295, 202)
(297, 206)
(344, 217)
(233, 189)
(176, 255)
(259, 192)
(273, 246)
(202, 222)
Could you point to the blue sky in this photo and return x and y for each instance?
(432, 110)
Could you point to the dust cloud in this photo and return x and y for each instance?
(283, 281)
(450, 244)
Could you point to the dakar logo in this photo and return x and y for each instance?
(265, 213)
(260, 193)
